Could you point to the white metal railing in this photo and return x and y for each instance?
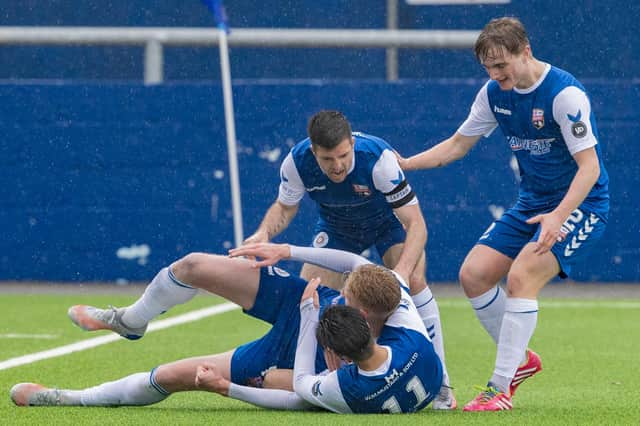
(154, 38)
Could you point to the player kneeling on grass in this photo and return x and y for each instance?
(405, 379)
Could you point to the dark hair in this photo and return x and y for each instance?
(501, 34)
(328, 129)
(344, 330)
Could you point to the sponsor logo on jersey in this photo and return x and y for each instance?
(501, 110)
(537, 118)
(321, 239)
(392, 377)
(535, 146)
(315, 389)
(362, 190)
(578, 128)
(316, 188)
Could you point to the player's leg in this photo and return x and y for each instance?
(136, 389)
(327, 278)
(279, 379)
(528, 275)
(488, 262)
(179, 376)
(234, 279)
(479, 275)
(268, 361)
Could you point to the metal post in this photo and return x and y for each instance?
(153, 62)
(392, 52)
(229, 119)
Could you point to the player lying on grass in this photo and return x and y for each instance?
(345, 335)
(406, 380)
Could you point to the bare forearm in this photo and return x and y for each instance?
(438, 156)
(412, 250)
(580, 187)
(277, 219)
(445, 152)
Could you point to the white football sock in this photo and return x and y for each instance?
(489, 308)
(164, 292)
(136, 389)
(430, 314)
(518, 325)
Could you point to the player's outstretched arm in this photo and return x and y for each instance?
(447, 151)
(208, 378)
(270, 254)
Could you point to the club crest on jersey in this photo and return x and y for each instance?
(321, 239)
(537, 118)
(362, 190)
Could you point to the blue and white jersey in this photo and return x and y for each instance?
(406, 382)
(374, 186)
(545, 125)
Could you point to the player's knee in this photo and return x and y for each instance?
(187, 268)
(517, 282)
(170, 379)
(473, 280)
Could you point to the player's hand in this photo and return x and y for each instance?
(257, 237)
(403, 162)
(209, 378)
(310, 291)
(269, 253)
(550, 226)
(333, 361)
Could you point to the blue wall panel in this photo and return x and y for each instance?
(589, 38)
(92, 175)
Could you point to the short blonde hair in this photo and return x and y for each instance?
(375, 288)
(501, 34)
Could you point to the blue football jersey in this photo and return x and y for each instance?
(544, 126)
(364, 200)
(413, 377)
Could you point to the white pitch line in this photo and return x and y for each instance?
(28, 336)
(103, 340)
(559, 304)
